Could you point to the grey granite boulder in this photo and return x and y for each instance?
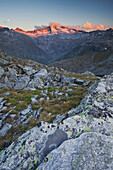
(7, 83)
(5, 129)
(22, 82)
(35, 82)
(29, 70)
(25, 151)
(41, 73)
(101, 87)
(12, 71)
(89, 151)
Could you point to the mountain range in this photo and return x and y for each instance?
(62, 46)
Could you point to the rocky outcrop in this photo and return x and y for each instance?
(28, 75)
(81, 139)
(89, 151)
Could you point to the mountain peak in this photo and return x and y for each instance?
(53, 29)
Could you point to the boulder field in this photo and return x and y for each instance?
(80, 139)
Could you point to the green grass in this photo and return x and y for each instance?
(22, 98)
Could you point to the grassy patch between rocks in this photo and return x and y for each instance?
(58, 103)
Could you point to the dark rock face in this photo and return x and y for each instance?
(21, 46)
(53, 142)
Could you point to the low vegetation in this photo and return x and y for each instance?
(20, 99)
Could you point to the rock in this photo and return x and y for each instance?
(68, 90)
(5, 129)
(26, 148)
(41, 73)
(6, 115)
(41, 99)
(76, 125)
(65, 80)
(29, 70)
(101, 87)
(47, 98)
(36, 82)
(66, 94)
(0, 123)
(57, 77)
(5, 143)
(88, 73)
(99, 105)
(79, 81)
(53, 141)
(1, 71)
(39, 112)
(59, 118)
(89, 151)
(49, 114)
(7, 83)
(35, 96)
(60, 94)
(12, 71)
(26, 111)
(86, 83)
(12, 115)
(22, 82)
(3, 108)
(1, 98)
(7, 93)
(110, 109)
(33, 100)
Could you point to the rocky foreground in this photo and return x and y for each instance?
(82, 138)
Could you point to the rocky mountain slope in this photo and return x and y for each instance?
(100, 63)
(21, 46)
(59, 44)
(95, 41)
(52, 29)
(77, 107)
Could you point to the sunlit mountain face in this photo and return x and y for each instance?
(57, 28)
(53, 29)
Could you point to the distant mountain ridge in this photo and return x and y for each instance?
(100, 63)
(52, 29)
(57, 43)
(21, 46)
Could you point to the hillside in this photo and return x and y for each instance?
(51, 118)
(21, 46)
(100, 63)
(56, 46)
(31, 92)
(95, 41)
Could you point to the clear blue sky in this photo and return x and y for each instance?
(28, 13)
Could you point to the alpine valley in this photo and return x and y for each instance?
(62, 46)
(56, 99)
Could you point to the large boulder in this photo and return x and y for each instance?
(41, 73)
(12, 72)
(5, 129)
(22, 82)
(25, 151)
(35, 82)
(89, 151)
(29, 70)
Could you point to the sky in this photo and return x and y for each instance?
(26, 14)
